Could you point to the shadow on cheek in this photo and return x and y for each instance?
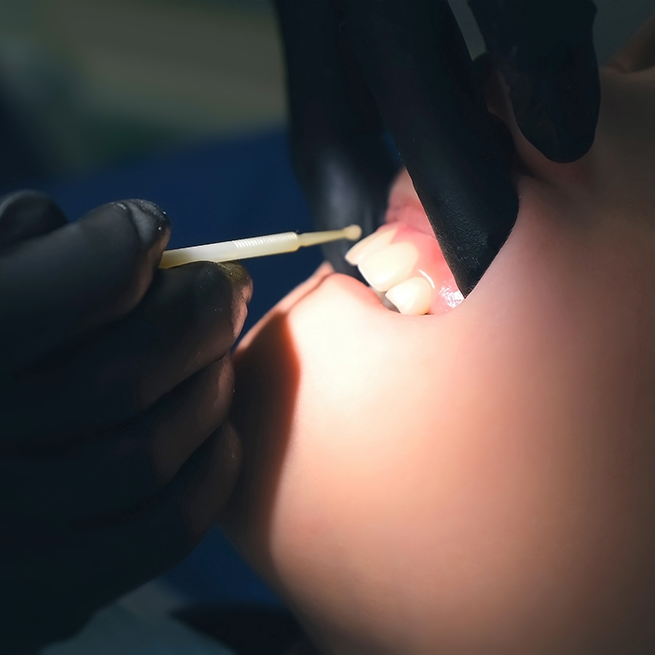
(267, 376)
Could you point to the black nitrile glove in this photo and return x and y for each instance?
(545, 52)
(356, 67)
(115, 382)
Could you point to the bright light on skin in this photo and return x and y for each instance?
(480, 480)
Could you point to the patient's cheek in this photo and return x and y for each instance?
(407, 266)
(480, 476)
(475, 482)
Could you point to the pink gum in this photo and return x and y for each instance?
(430, 265)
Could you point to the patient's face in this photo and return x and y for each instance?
(478, 480)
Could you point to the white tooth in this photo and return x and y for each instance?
(370, 244)
(413, 296)
(389, 266)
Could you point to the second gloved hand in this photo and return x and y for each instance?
(115, 383)
(357, 68)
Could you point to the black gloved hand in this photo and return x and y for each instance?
(115, 381)
(356, 66)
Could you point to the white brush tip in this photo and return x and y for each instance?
(352, 232)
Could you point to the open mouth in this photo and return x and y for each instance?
(402, 260)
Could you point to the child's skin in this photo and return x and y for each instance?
(481, 480)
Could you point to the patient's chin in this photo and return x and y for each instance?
(263, 413)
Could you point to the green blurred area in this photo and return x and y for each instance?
(97, 80)
(93, 81)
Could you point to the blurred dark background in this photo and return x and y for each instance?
(88, 82)
(85, 83)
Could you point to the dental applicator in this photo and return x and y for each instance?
(268, 244)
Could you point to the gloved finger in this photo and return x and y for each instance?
(167, 529)
(415, 62)
(86, 567)
(338, 143)
(117, 471)
(59, 285)
(190, 317)
(546, 54)
(214, 480)
(27, 214)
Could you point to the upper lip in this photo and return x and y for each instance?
(405, 207)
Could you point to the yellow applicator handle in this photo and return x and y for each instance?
(269, 244)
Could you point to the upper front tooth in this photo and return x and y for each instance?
(370, 244)
(389, 266)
